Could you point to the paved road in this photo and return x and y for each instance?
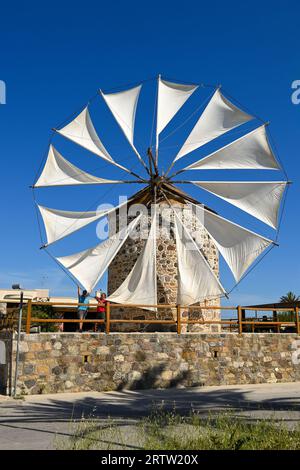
(37, 422)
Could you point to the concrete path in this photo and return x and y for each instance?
(38, 421)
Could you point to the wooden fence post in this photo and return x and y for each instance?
(107, 317)
(178, 319)
(239, 311)
(297, 320)
(28, 318)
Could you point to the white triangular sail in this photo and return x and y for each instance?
(196, 279)
(59, 223)
(123, 106)
(252, 151)
(171, 97)
(88, 266)
(60, 172)
(258, 198)
(219, 116)
(81, 131)
(239, 246)
(140, 286)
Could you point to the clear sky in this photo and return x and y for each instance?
(55, 55)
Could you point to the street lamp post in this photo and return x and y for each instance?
(17, 286)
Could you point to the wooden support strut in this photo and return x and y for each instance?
(28, 318)
(152, 159)
(239, 311)
(178, 321)
(297, 320)
(178, 308)
(107, 317)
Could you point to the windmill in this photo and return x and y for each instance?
(197, 279)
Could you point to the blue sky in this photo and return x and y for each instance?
(55, 56)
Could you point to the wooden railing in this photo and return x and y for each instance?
(238, 324)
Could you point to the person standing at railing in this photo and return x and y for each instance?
(82, 309)
(100, 310)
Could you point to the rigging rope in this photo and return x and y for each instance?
(43, 158)
(253, 266)
(85, 212)
(61, 267)
(206, 100)
(153, 116)
(75, 113)
(282, 211)
(37, 216)
(226, 94)
(273, 143)
(132, 84)
(183, 82)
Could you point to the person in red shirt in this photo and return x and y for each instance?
(100, 311)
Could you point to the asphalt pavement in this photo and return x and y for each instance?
(40, 421)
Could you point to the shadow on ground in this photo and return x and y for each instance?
(50, 416)
(137, 402)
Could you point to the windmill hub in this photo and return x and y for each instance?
(157, 180)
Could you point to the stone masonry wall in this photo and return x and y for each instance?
(73, 362)
(166, 274)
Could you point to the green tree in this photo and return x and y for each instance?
(289, 298)
(45, 311)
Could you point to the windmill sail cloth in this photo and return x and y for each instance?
(196, 280)
(219, 117)
(123, 107)
(88, 266)
(140, 286)
(252, 151)
(171, 97)
(59, 224)
(81, 131)
(60, 172)
(238, 246)
(260, 199)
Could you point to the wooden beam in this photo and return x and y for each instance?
(107, 318)
(239, 311)
(28, 318)
(297, 320)
(178, 319)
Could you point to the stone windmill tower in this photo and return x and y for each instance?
(166, 261)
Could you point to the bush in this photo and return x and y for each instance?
(45, 311)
